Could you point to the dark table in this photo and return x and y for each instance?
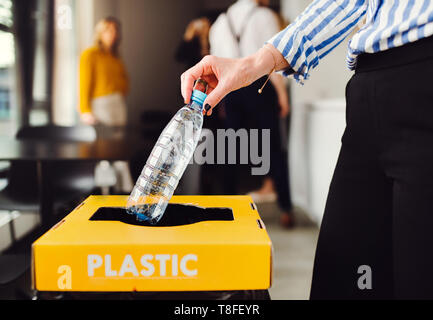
(110, 145)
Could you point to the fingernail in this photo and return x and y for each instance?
(208, 109)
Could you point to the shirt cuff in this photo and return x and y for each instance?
(291, 44)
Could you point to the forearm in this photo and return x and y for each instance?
(225, 75)
(263, 62)
(86, 81)
(85, 106)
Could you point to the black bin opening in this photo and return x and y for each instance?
(175, 215)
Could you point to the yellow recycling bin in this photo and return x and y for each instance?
(98, 247)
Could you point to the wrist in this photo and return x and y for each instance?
(258, 65)
(280, 62)
(264, 61)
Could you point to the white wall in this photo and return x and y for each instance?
(105, 8)
(74, 21)
(84, 23)
(152, 31)
(329, 79)
(317, 123)
(65, 65)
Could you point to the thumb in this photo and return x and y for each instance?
(215, 96)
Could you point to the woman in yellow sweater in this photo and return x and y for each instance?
(103, 78)
(103, 87)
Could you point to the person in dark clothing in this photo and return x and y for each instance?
(191, 49)
(266, 112)
(195, 43)
(241, 30)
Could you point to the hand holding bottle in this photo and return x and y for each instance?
(225, 75)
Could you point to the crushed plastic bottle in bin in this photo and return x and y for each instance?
(168, 160)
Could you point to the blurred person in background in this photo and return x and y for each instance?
(195, 43)
(103, 87)
(191, 49)
(239, 32)
(103, 78)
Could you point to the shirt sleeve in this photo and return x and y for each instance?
(86, 81)
(322, 26)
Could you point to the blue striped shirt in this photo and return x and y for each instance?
(324, 24)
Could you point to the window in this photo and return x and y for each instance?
(7, 59)
(6, 13)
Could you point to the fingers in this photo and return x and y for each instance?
(209, 69)
(188, 78)
(216, 95)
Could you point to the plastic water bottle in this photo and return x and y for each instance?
(168, 160)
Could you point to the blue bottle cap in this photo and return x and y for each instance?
(198, 97)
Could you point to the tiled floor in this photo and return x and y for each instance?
(293, 254)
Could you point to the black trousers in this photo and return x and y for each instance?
(245, 108)
(376, 237)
